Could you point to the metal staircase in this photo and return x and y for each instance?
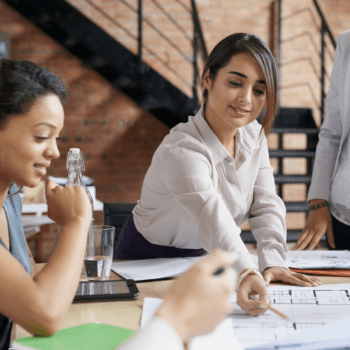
(292, 121)
(125, 70)
(128, 72)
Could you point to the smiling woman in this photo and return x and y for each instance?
(212, 174)
(31, 118)
(25, 162)
(251, 48)
(235, 97)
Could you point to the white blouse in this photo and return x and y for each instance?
(196, 195)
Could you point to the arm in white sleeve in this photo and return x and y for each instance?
(185, 168)
(267, 217)
(156, 335)
(329, 137)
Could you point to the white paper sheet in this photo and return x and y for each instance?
(308, 307)
(222, 337)
(319, 259)
(151, 269)
(332, 335)
(255, 260)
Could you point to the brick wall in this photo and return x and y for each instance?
(117, 137)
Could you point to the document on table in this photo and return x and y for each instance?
(222, 337)
(308, 307)
(334, 335)
(151, 269)
(319, 259)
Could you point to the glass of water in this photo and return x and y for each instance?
(99, 252)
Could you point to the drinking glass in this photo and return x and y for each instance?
(99, 252)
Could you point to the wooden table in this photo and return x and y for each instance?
(127, 314)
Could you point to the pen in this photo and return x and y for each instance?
(222, 269)
(272, 309)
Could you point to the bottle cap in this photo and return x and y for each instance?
(75, 150)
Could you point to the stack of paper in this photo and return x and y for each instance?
(320, 262)
(152, 269)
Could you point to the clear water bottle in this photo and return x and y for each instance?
(75, 168)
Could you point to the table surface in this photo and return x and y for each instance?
(127, 314)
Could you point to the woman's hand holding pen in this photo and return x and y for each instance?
(276, 273)
(253, 284)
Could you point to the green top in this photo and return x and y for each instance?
(85, 337)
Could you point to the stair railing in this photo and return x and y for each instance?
(324, 32)
(199, 50)
(198, 43)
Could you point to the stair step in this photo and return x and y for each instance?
(284, 153)
(247, 237)
(292, 236)
(294, 117)
(70, 41)
(122, 81)
(308, 131)
(96, 61)
(148, 102)
(293, 179)
(296, 207)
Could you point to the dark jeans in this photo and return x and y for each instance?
(341, 234)
(132, 245)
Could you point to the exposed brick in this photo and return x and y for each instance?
(116, 136)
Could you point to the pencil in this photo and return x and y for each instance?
(279, 313)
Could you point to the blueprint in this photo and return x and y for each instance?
(308, 307)
(334, 335)
(319, 259)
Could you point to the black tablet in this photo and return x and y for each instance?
(106, 290)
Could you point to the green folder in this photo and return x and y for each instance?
(85, 337)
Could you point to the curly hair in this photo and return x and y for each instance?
(22, 83)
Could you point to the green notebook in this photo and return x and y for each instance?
(85, 337)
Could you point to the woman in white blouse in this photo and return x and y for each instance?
(211, 174)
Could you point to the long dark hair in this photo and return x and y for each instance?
(246, 43)
(22, 83)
